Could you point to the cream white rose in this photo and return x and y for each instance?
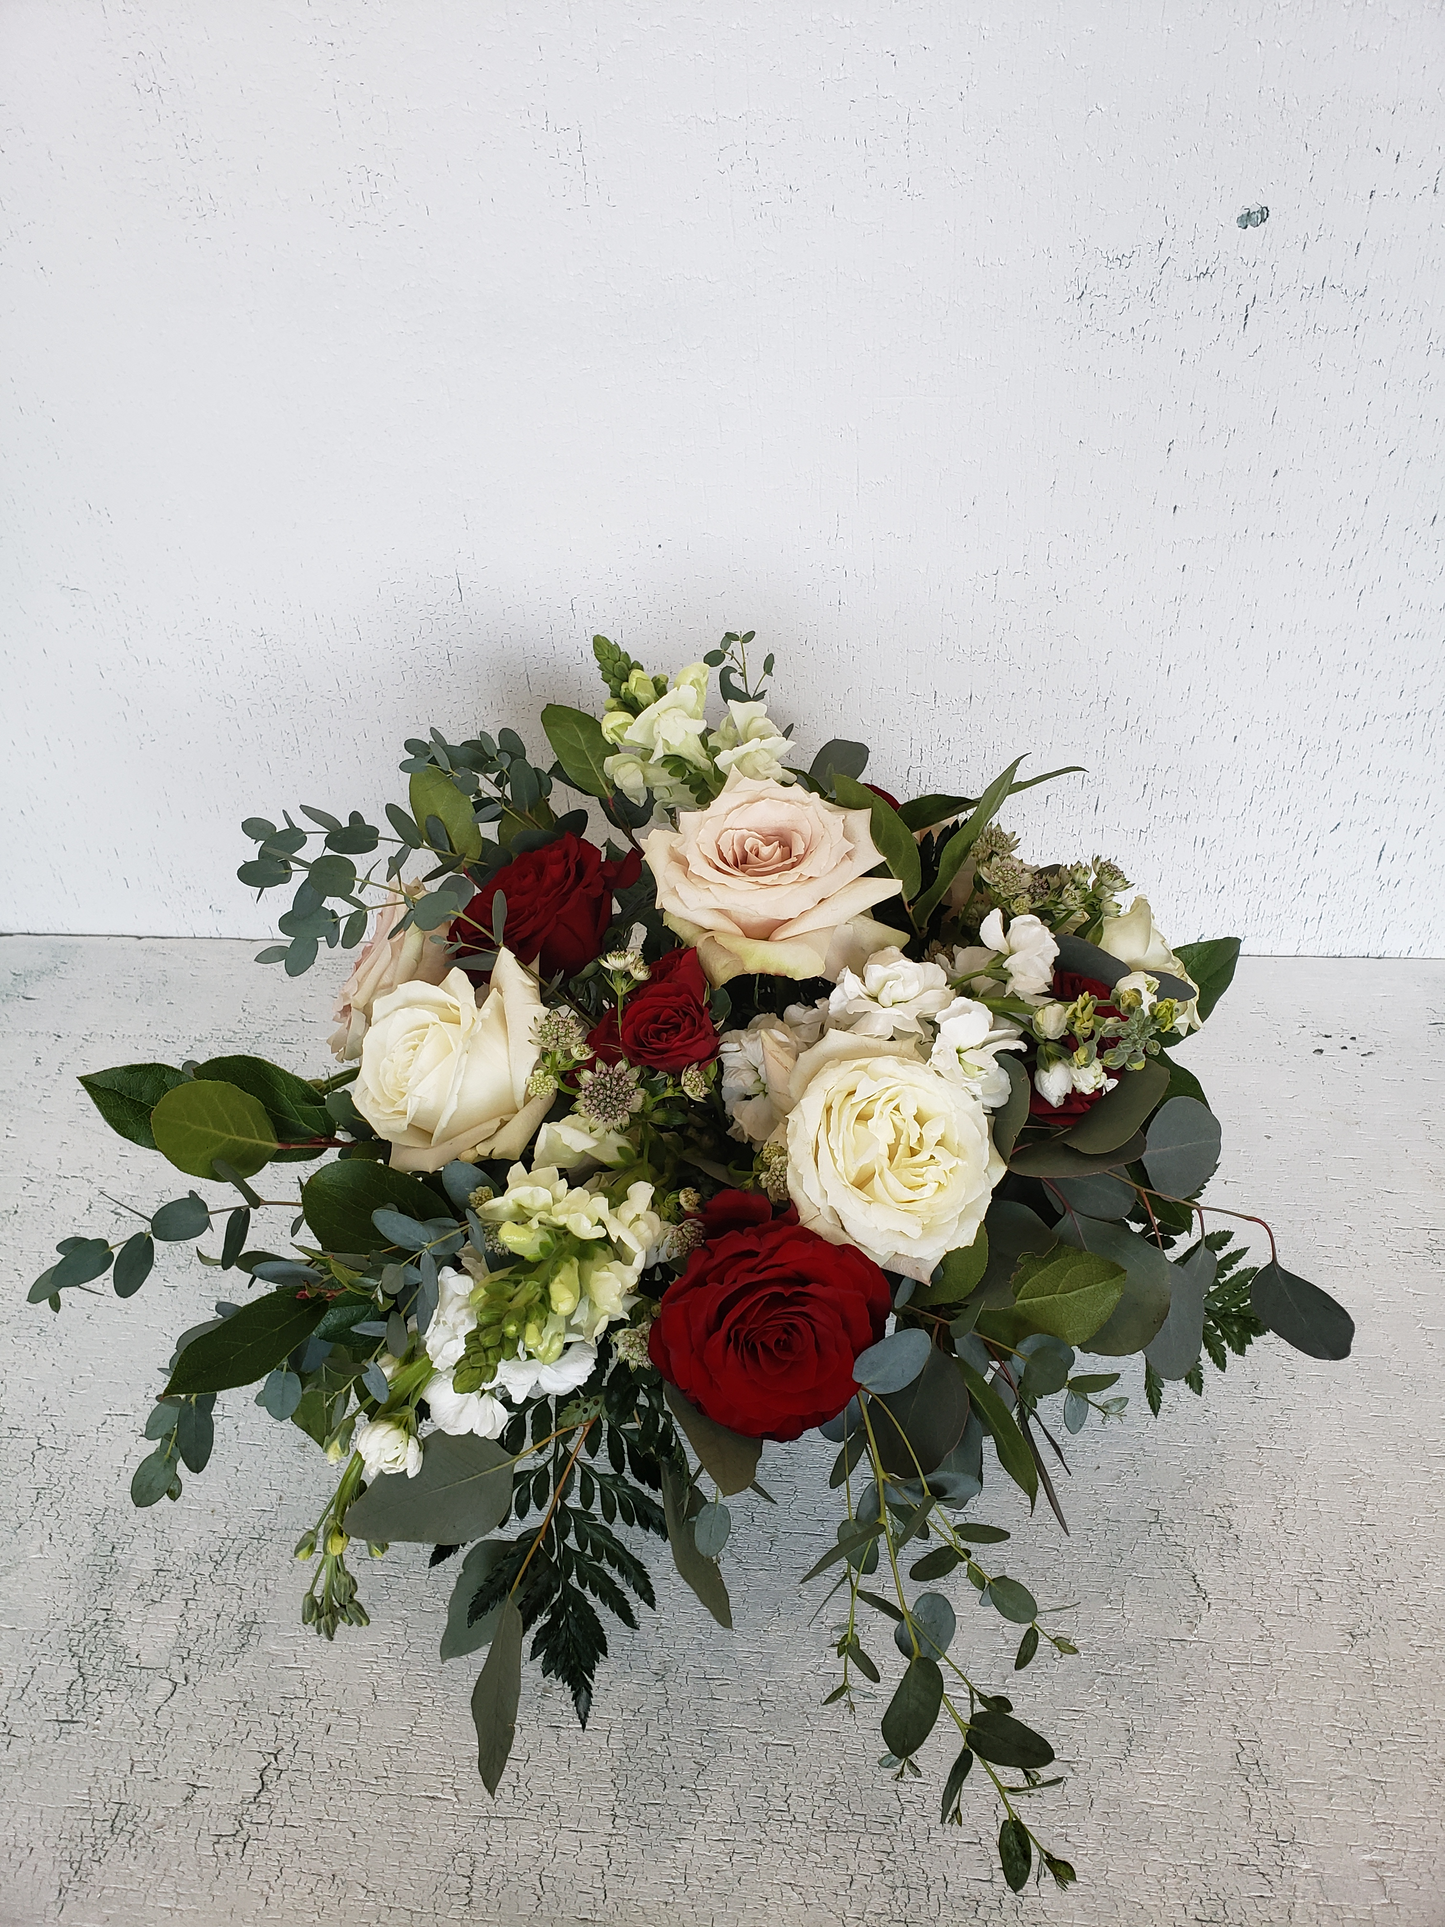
(388, 961)
(886, 1154)
(771, 879)
(442, 1079)
(1135, 939)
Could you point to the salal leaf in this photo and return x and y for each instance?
(1144, 1304)
(126, 1096)
(340, 1198)
(1211, 965)
(891, 836)
(294, 1107)
(246, 1346)
(462, 1492)
(956, 1274)
(1066, 1293)
(839, 756)
(579, 746)
(196, 1123)
(729, 1459)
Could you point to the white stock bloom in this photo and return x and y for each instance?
(1028, 948)
(757, 1067)
(1054, 1082)
(386, 1446)
(441, 1078)
(889, 997)
(1051, 1021)
(457, 1412)
(568, 1143)
(886, 1154)
(523, 1378)
(748, 741)
(673, 725)
(1135, 939)
(446, 1336)
(966, 1050)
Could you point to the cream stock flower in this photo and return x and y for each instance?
(771, 879)
(886, 1154)
(889, 997)
(442, 1079)
(966, 1050)
(387, 962)
(386, 1446)
(757, 1067)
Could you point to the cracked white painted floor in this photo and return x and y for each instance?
(1252, 1736)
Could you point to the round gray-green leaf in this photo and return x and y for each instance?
(710, 1529)
(152, 1478)
(933, 1622)
(1014, 1601)
(1181, 1148)
(1301, 1314)
(913, 1710)
(893, 1362)
(181, 1219)
(462, 1492)
(133, 1264)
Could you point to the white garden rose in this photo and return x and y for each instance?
(388, 961)
(886, 1154)
(442, 1079)
(1135, 939)
(386, 1446)
(771, 879)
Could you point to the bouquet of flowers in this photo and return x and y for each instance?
(785, 1109)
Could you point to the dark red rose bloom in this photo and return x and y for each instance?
(1068, 985)
(761, 1330)
(665, 1023)
(559, 904)
(887, 795)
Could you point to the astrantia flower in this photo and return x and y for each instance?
(608, 1097)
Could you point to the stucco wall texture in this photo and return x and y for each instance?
(359, 361)
(1252, 1736)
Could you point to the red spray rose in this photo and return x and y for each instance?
(1068, 985)
(559, 903)
(664, 1023)
(761, 1330)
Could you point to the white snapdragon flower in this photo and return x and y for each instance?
(966, 1050)
(747, 740)
(523, 1378)
(672, 725)
(386, 1446)
(1056, 1081)
(457, 1412)
(1140, 980)
(453, 1319)
(889, 997)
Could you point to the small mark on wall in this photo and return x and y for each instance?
(1251, 217)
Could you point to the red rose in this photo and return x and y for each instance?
(761, 1330)
(888, 797)
(1068, 985)
(665, 1022)
(559, 903)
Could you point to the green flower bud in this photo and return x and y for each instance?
(306, 1546)
(337, 1541)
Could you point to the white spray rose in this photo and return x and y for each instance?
(388, 961)
(771, 879)
(889, 997)
(442, 1079)
(1135, 939)
(886, 1154)
(386, 1446)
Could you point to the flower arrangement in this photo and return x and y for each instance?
(792, 1110)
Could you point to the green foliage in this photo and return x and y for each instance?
(1115, 1118)
(245, 1347)
(917, 1426)
(913, 1710)
(496, 1696)
(956, 1275)
(956, 849)
(1211, 965)
(295, 1108)
(462, 1492)
(579, 746)
(729, 1459)
(1067, 1294)
(339, 1200)
(196, 1123)
(126, 1096)
(1009, 1442)
(1300, 1313)
(891, 836)
(1145, 1302)
(1182, 1147)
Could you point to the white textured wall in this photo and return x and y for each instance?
(359, 361)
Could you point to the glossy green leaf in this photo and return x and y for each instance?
(246, 1346)
(339, 1199)
(891, 836)
(953, 1785)
(126, 1096)
(496, 1696)
(1175, 1347)
(433, 793)
(1211, 964)
(839, 755)
(913, 1710)
(1053, 1158)
(295, 1108)
(954, 851)
(956, 1274)
(579, 746)
(195, 1123)
(729, 1459)
(462, 1492)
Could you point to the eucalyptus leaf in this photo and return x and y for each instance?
(933, 1624)
(196, 1432)
(462, 1636)
(1009, 1442)
(893, 1362)
(181, 1220)
(700, 1574)
(1102, 1196)
(913, 1710)
(1014, 1601)
(1182, 1147)
(339, 1199)
(998, 1737)
(1174, 1349)
(710, 1529)
(496, 1696)
(462, 1492)
(1053, 1158)
(152, 1478)
(1300, 1313)
(1015, 1852)
(919, 1425)
(1118, 1114)
(280, 1395)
